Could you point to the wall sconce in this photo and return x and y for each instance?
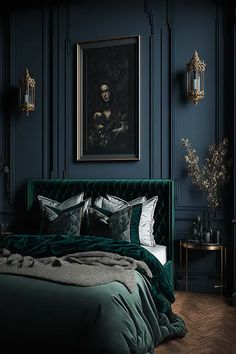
(195, 78)
(27, 93)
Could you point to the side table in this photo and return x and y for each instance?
(188, 245)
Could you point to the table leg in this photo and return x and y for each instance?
(221, 270)
(180, 260)
(225, 265)
(186, 267)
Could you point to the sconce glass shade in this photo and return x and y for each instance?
(27, 93)
(195, 78)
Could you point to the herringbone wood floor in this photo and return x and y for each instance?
(211, 325)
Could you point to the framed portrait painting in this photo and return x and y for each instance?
(108, 99)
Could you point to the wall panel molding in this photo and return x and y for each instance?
(11, 152)
(4, 119)
(45, 93)
(156, 79)
(234, 167)
(149, 12)
(177, 191)
(219, 58)
(172, 95)
(161, 88)
(68, 112)
(2, 86)
(62, 93)
(54, 138)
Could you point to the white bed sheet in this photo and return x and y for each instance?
(158, 251)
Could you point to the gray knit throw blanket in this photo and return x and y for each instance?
(81, 268)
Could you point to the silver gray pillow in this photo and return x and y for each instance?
(113, 203)
(44, 201)
(146, 223)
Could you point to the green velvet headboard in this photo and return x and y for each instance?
(127, 189)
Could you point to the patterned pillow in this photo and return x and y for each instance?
(62, 222)
(58, 209)
(144, 224)
(134, 222)
(116, 226)
(34, 220)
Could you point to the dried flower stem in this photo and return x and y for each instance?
(213, 174)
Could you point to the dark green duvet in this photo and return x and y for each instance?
(40, 315)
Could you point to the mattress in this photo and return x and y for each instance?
(158, 251)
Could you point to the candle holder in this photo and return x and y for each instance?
(27, 93)
(195, 78)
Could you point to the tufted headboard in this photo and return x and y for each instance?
(127, 189)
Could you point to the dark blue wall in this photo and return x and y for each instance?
(43, 37)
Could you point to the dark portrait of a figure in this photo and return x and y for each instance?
(109, 124)
(110, 99)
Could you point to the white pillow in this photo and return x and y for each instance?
(113, 204)
(146, 223)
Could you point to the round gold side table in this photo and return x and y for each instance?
(203, 247)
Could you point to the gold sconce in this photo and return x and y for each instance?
(195, 78)
(27, 93)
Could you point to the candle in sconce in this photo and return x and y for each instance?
(26, 98)
(217, 236)
(196, 84)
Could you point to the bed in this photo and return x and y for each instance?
(40, 314)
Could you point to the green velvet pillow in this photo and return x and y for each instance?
(134, 226)
(61, 222)
(134, 222)
(35, 213)
(50, 212)
(115, 226)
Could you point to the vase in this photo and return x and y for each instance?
(209, 217)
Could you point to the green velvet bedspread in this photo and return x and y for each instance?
(154, 297)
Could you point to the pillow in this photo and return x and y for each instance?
(53, 211)
(62, 222)
(115, 226)
(36, 211)
(134, 221)
(146, 222)
(113, 203)
(75, 200)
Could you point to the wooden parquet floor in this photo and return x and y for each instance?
(211, 324)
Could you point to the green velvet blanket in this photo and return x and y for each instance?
(39, 246)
